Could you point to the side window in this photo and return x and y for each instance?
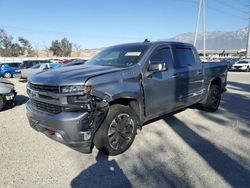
(161, 56)
(184, 56)
(29, 64)
(14, 65)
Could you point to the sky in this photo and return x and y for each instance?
(100, 23)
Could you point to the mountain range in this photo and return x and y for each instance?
(217, 40)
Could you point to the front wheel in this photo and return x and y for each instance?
(118, 130)
(2, 102)
(7, 75)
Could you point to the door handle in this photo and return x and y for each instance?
(199, 72)
(175, 75)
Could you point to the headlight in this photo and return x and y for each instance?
(77, 88)
(72, 89)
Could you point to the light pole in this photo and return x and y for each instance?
(204, 30)
(201, 7)
(197, 23)
(248, 42)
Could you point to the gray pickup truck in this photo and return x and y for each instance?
(105, 101)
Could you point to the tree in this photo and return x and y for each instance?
(56, 48)
(26, 46)
(10, 49)
(16, 50)
(77, 49)
(61, 48)
(5, 43)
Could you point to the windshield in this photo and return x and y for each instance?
(119, 56)
(35, 66)
(242, 62)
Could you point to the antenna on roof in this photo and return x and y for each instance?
(146, 40)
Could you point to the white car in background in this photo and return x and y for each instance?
(241, 65)
(26, 73)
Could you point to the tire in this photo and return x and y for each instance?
(2, 103)
(118, 130)
(248, 69)
(7, 75)
(212, 102)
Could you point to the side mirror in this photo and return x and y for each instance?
(160, 67)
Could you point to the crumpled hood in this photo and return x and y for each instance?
(71, 75)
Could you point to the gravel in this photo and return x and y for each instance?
(190, 149)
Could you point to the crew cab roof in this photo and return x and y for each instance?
(154, 43)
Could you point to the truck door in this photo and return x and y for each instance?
(188, 76)
(158, 83)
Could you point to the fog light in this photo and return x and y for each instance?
(86, 135)
(58, 135)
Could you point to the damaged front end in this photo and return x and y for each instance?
(7, 93)
(70, 115)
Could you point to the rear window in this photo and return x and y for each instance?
(184, 56)
(36, 66)
(29, 64)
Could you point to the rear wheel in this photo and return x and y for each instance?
(7, 75)
(213, 100)
(118, 130)
(248, 69)
(2, 103)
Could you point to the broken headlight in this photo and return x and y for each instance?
(72, 89)
(76, 89)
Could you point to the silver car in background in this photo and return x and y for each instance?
(26, 73)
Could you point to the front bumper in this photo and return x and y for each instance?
(67, 126)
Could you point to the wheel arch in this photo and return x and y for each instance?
(216, 81)
(132, 103)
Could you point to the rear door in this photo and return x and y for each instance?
(188, 75)
(159, 86)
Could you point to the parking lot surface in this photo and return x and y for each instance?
(189, 149)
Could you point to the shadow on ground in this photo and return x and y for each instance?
(235, 174)
(234, 107)
(103, 173)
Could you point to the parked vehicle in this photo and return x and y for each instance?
(54, 60)
(29, 63)
(64, 61)
(76, 62)
(26, 73)
(8, 70)
(7, 93)
(103, 102)
(241, 65)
